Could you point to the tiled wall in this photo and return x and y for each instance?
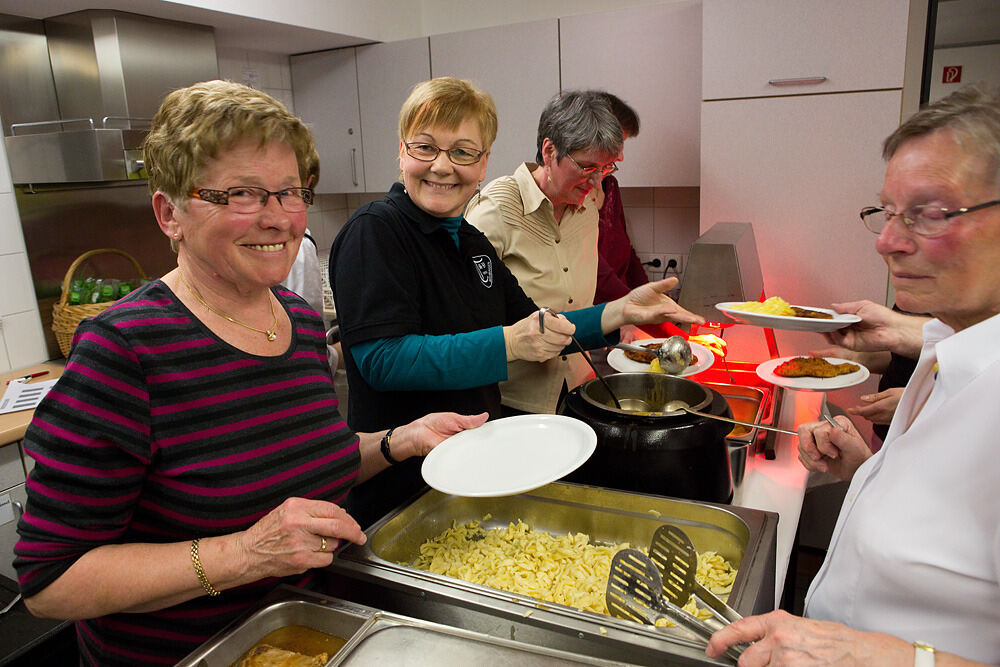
(269, 72)
(661, 221)
(22, 342)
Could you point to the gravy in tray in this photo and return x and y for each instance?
(298, 639)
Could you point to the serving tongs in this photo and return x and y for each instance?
(635, 593)
(676, 561)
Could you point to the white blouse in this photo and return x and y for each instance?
(916, 549)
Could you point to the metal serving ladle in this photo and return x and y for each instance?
(541, 328)
(674, 354)
(678, 405)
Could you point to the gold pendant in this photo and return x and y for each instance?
(271, 335)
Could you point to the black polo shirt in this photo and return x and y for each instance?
(395, 271)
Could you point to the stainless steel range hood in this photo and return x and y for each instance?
(110, 71)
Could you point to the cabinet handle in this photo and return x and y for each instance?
(806, 80)
(18, 509)
(354, 166)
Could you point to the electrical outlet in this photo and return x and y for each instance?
(679, 259)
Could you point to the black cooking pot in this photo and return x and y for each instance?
(675, 454)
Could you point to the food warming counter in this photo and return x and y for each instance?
(378, 573)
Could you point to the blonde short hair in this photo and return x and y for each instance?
(195, 124)
(446, 102)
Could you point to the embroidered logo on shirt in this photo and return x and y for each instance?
(484, 267)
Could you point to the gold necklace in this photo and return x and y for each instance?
(271, 333)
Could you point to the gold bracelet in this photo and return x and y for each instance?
(200, 571)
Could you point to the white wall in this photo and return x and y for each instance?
(22, 342)
(980, 64)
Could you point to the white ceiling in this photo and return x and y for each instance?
(231, 30)
(316, 25)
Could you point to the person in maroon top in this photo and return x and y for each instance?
(619, 269)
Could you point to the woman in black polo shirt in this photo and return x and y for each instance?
(429, 316)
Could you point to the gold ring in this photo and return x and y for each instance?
(322, 545)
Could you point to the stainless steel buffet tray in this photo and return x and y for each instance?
(377, 573)
(376, 637)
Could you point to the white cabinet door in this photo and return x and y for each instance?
(386, 74)
(325, 89)
(799, 169)
(12, 503)
(650, 57)
(854, 44)
(519, 66)
(12, 498)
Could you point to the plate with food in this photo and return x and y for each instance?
(812, 373)
(508, 456)
(627, 361)
(776, 313)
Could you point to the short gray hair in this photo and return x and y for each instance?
(972, 113)
(578, 120)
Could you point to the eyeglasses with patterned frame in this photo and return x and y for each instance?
(605, 170)
(251, 199)
(923, 220)
(460, 155)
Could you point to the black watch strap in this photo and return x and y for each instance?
(384, 445)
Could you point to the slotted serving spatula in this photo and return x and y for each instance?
(677, 563)
(634, 593)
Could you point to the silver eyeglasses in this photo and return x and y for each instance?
(428, 153)
(605, 170)
(250, 198)
(922, 220)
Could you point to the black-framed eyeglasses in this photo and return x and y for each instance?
(250, 198)
(425, 152)
(922, 220)
(605, 170)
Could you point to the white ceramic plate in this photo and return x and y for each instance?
(509, 456)
(839, 321)
(618, 361)
(765, 371)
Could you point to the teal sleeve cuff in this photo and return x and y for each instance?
(415, 362)
(588, 328)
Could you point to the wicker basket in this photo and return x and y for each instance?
(66, 317)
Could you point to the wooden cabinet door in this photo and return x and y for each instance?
(519, 66)
(386, 74)
(800, 169)
(650, 57)
(761, 47)
(325, 90)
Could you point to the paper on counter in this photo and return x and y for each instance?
(23, 396)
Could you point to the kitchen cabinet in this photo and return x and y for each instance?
(12, 499)
(800, 166)
(775, 47)
(650, 56)
(519, 66)
(386, 74)
(325, 90)
(334, 90)
(799, 169)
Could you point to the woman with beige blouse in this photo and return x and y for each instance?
(544, 228)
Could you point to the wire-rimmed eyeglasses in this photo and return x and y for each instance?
(922, 220)
(250, 198)
(425, 152)
(605, 170)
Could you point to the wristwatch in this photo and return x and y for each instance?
(923, 654)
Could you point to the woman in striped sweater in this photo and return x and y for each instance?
(191, 456)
